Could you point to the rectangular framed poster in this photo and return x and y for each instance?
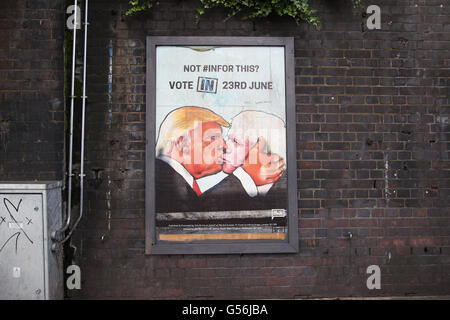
(221, 153)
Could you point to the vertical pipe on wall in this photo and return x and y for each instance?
(83, 112)
(64, 228)
(72, 100)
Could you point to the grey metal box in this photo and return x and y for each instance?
(29, 212)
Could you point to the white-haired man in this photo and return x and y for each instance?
(253, 159)
(255, 138)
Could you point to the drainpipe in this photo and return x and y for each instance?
(66, 226)
(83, 112)
(72, 99)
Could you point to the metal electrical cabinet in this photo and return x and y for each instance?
(29, 212)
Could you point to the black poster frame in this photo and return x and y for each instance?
(152, 246)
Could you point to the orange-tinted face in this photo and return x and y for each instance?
(237, 148)
(205, 150)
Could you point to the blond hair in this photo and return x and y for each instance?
(179, 121)
(256, 124)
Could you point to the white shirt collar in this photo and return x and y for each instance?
(204, 183)
(178, 167)
(249, 185)
(246, 181)
(207, 182)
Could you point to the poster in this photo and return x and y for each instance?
(220, 152)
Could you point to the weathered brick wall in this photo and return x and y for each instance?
(372, 156)
(372, 138)
(31, 90)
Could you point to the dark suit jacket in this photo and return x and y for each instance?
(230, 195)
(174, 194)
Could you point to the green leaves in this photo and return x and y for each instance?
(356, 3)
(138, 5)
(250, 9)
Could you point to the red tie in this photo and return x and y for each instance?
(196, 188)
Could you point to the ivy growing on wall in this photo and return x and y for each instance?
(249, 9)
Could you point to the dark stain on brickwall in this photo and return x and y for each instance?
(31, 90)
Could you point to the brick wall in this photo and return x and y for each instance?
(372, 141)
(372, 155)
(31, 90)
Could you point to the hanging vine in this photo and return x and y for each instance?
(249, 9)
